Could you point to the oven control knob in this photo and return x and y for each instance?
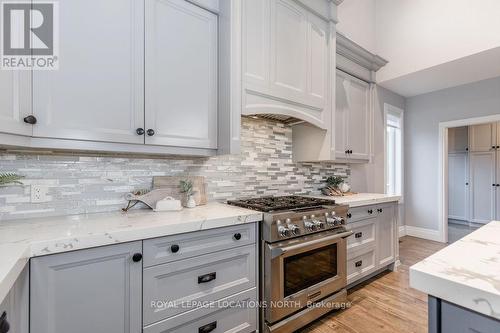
(294, 229)
(339, 220)
(283, 231)
(319, 224)
(330, 221)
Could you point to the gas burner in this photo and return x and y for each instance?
(272, 204)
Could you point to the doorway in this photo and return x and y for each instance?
(470, 175)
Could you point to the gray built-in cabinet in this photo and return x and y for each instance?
(154, 286)
(147, 76)
(374, 244)
(474, 173)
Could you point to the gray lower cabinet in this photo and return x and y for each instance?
(16, 304)
(373, 245)
(241, 317)
(96, 290)
(446, 317)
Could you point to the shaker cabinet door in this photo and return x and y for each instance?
(341, 115)
(181, 75)
(15, 101)
(483, 137)
(97, 94)
(482, 190)
(97, 290)
(386, 234)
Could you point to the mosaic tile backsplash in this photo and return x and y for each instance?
(89, 184)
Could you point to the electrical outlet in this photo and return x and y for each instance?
(39, 193)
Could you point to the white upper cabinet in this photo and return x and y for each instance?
(483, 137)
(285, 61)
(15, 102)
(98, 92)
(181, 74)
(458, 139)
(352, 118)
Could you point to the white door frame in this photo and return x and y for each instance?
(443, 166)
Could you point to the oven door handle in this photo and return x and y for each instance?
(279, 251)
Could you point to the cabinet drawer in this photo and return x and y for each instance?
(206, 278)
(236, 319)
(363, 234)
(361, 213)
(171, 248)
(360, 264)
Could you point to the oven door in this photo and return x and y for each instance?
(303, 270)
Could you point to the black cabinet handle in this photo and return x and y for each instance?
(349, 215)
(350, 151)
(359, 263)
(370, 211)
(493, 147)
(498, 147)
(237, 236)
(466, 149)
(208, 328)
(207, 277)
(137, 257)
(380, 210)
(467, 184)
(4, 324)
(358, 235)
(174, 248)
(30, 120)
(140, 131)
(150, 132)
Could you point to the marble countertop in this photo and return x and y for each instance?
(466, 273)
(362, 199)
(23, 239)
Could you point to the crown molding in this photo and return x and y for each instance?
(359, 55)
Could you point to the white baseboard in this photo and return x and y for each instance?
(430, 234)
(402, 230)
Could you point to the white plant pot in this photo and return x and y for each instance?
(191, 203)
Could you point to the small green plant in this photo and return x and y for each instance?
(334, 181)
(10, 178)
(186, 187)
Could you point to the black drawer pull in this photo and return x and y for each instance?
(370, 211)
(359, 263)
(137, 257)
(174, 248)
(380, 210)
(30, 120)
(358, 235)
(237, 236)
(349, 215)
(208, 328)
(4, 324)
(207, 277)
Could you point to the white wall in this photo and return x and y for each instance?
(357, 22)
(418, 34)
(422, 117)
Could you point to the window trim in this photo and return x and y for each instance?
(388, 108)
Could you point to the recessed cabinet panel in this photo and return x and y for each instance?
(256, 39)
(482, 137)
(458, 139)
(341, 115)
(458, 194)
(359, 119)
(289, 45)
(482, 179)
(15, 101)
(318, 55)
(97, 94)
(386, 234)
(94, 290)
(181, 74)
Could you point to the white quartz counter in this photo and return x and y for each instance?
(466, 273)
(23, 239)
(362, 199)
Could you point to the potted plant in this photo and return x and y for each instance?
(187, 189)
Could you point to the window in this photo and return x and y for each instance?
(393, 150)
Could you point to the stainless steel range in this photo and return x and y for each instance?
(303, 259)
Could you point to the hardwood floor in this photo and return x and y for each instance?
(385, 303)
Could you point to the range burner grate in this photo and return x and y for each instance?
(290, 202)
